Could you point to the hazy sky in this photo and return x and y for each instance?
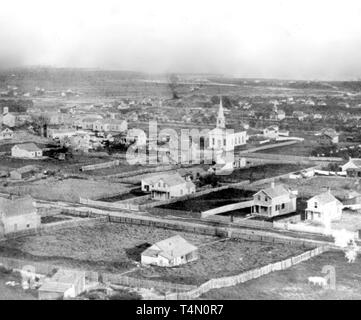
(313, 39)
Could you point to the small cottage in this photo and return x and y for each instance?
(352, 167)
(166, 186)
(170, 252)
(62, 285)
(6, 134)
(18, 214)
(324, 208)
(26, 150)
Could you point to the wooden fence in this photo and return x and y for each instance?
(100, 165)
(110, 205)
(245, 276)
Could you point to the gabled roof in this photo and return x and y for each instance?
(17, 207)
(329, 132)
(61, 281)
(171, 179)
(28, 146)
(324, 198)
(171, 248)
(355, 161)
(276, 191)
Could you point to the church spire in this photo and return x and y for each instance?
(221, 121)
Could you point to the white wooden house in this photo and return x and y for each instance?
(170, 252)
(18, 214)
(274, 201)
(324, 208)
(26, 150)
(6, 134)
(166, 186)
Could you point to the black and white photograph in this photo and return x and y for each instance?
(187, 151)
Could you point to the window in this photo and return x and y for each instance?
(265, 199)
(277, 207)
(283, 206)
(28, 225)
(224, 142)
(213, 143)
(259, 198)
(316, 204)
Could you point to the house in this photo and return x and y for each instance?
(26, 150)
(317, 116)
(328, 136)
(62, 285)
(277, 115)
(114, 125)
(23, 172)
(18, 214)
(324, 208)
(62, 133)
(352, 167)
(271, 132)
(6, 134)
(273, 201)
(10, 120)
(166, 186)
(352, 200)
(170, 252)
(300, 115)
(221, 138)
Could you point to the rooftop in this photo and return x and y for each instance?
(17, 207)
(171, 248)
(28, 146)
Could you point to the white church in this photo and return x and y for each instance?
(222, 139)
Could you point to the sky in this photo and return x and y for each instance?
(286, 39)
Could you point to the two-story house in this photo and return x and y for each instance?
(166, 186)
(271, 132)
(324, 208)
(273, 201)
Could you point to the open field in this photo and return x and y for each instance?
(314, 185)
(219, 259)
(211, 200)
(67, 190)
(293, 284)
(260, 172)
(117, 248)
(109, 247)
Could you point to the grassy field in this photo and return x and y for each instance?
(117, 248)
(109, 247)
(219, 259)
(292, 284)
(211, 200)
(314, 185)
(260, 172)
(67, 189)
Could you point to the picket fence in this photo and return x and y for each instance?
(230, 281)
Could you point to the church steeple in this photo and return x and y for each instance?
(221, 121)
